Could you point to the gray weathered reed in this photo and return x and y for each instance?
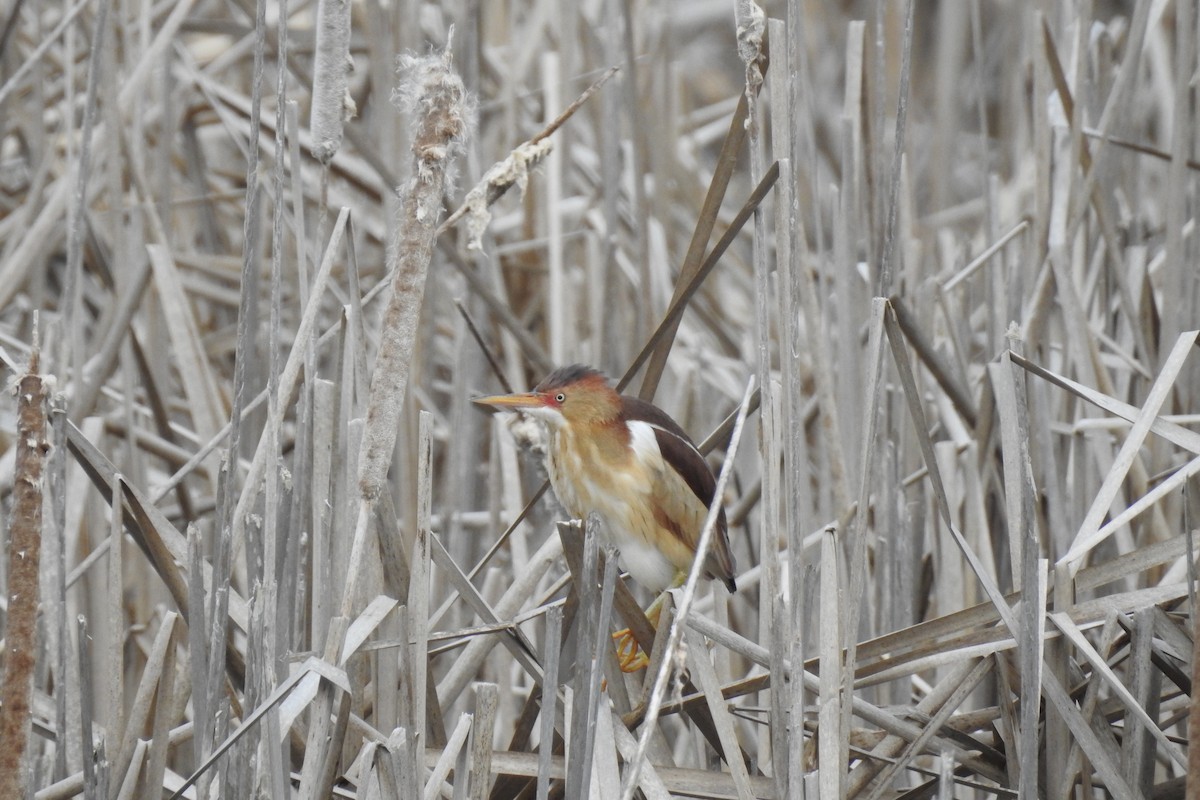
(950, 246)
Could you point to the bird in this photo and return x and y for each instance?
(628, 462)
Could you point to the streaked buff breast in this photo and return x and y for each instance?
(623, 491)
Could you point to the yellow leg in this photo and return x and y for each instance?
(629, 655)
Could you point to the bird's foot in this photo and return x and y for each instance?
(629, 655)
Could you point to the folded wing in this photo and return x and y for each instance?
(685, 490)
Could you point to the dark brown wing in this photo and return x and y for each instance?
(681, 455)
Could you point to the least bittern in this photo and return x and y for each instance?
(629, 462)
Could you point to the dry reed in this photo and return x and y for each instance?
(950, 246)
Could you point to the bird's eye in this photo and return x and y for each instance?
(560, 398)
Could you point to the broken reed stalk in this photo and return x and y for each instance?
(23, 559)
(436, 96)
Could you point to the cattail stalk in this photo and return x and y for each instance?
(438, 102)
(331, 104)
(23, 559)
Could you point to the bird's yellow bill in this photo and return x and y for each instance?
(525, 400)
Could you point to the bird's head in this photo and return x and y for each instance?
(569, 396)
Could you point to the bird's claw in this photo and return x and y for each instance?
(630, 658)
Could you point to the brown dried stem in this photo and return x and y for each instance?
(23, 558)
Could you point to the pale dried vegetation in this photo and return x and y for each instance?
(940, 255)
